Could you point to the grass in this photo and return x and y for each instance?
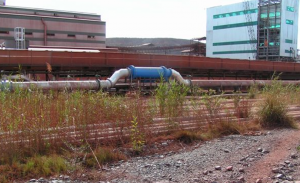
(102, 156)
(186, 136)
(48, 133)
(272, 110)
(33, 167)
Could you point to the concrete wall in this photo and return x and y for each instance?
(289, 33)
(62, 28)
(227, 32)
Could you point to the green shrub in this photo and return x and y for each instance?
(272, 110)
(45, 166)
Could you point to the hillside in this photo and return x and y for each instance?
(124, 42)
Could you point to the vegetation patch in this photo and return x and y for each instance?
(39, 128)
(273, 108)
(186, 136)
(33, 167)
(103, 155)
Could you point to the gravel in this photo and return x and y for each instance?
(223, 160)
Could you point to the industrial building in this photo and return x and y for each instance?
(255, 30)
(50, 28)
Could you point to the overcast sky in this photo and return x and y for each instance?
(140, 18)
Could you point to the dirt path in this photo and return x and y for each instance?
(199, 165)
(251, 157)
(281, 151)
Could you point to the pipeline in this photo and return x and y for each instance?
(133, 73)
(130, 72)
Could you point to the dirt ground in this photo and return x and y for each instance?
(269, 156)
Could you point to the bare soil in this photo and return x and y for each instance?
(252, 157)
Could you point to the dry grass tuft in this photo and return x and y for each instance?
(186, 136)
(104, 155)
(273, 109)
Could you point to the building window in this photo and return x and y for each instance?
(91, 36)
(288, 51)
(237, 13)
(274, 44)
(28, 33)
(271, 15)
(4, 32)
(75, 16)
(71, 35)
(55, 14)
(291, 9)
(290, 22)
(50, 34)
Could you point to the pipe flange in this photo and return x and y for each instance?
(99, 84)
(111, 83)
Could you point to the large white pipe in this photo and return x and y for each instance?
(131, 72)
(176, 75)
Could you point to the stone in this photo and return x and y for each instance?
(32, 180)
(289, 178)
(218, 168)
(243, 159)
(251, 159)
(294, 156)
(147, 165)
(196, 179)
(276, 170)
(205, 172)
(260, 149)
(241, 178)
(265, 151)
(178, 164)
(226, 151)
(41, 180)
(258, 181)
(287, 162)
(229, 168)
(241, 170)
(280, 176)
(164, 144)
(162, 181)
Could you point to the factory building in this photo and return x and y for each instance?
(255, 29)
(50, 28)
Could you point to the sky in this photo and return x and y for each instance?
(185, 19)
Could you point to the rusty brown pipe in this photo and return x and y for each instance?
(237, 83)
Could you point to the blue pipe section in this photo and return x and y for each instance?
(150, 72)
